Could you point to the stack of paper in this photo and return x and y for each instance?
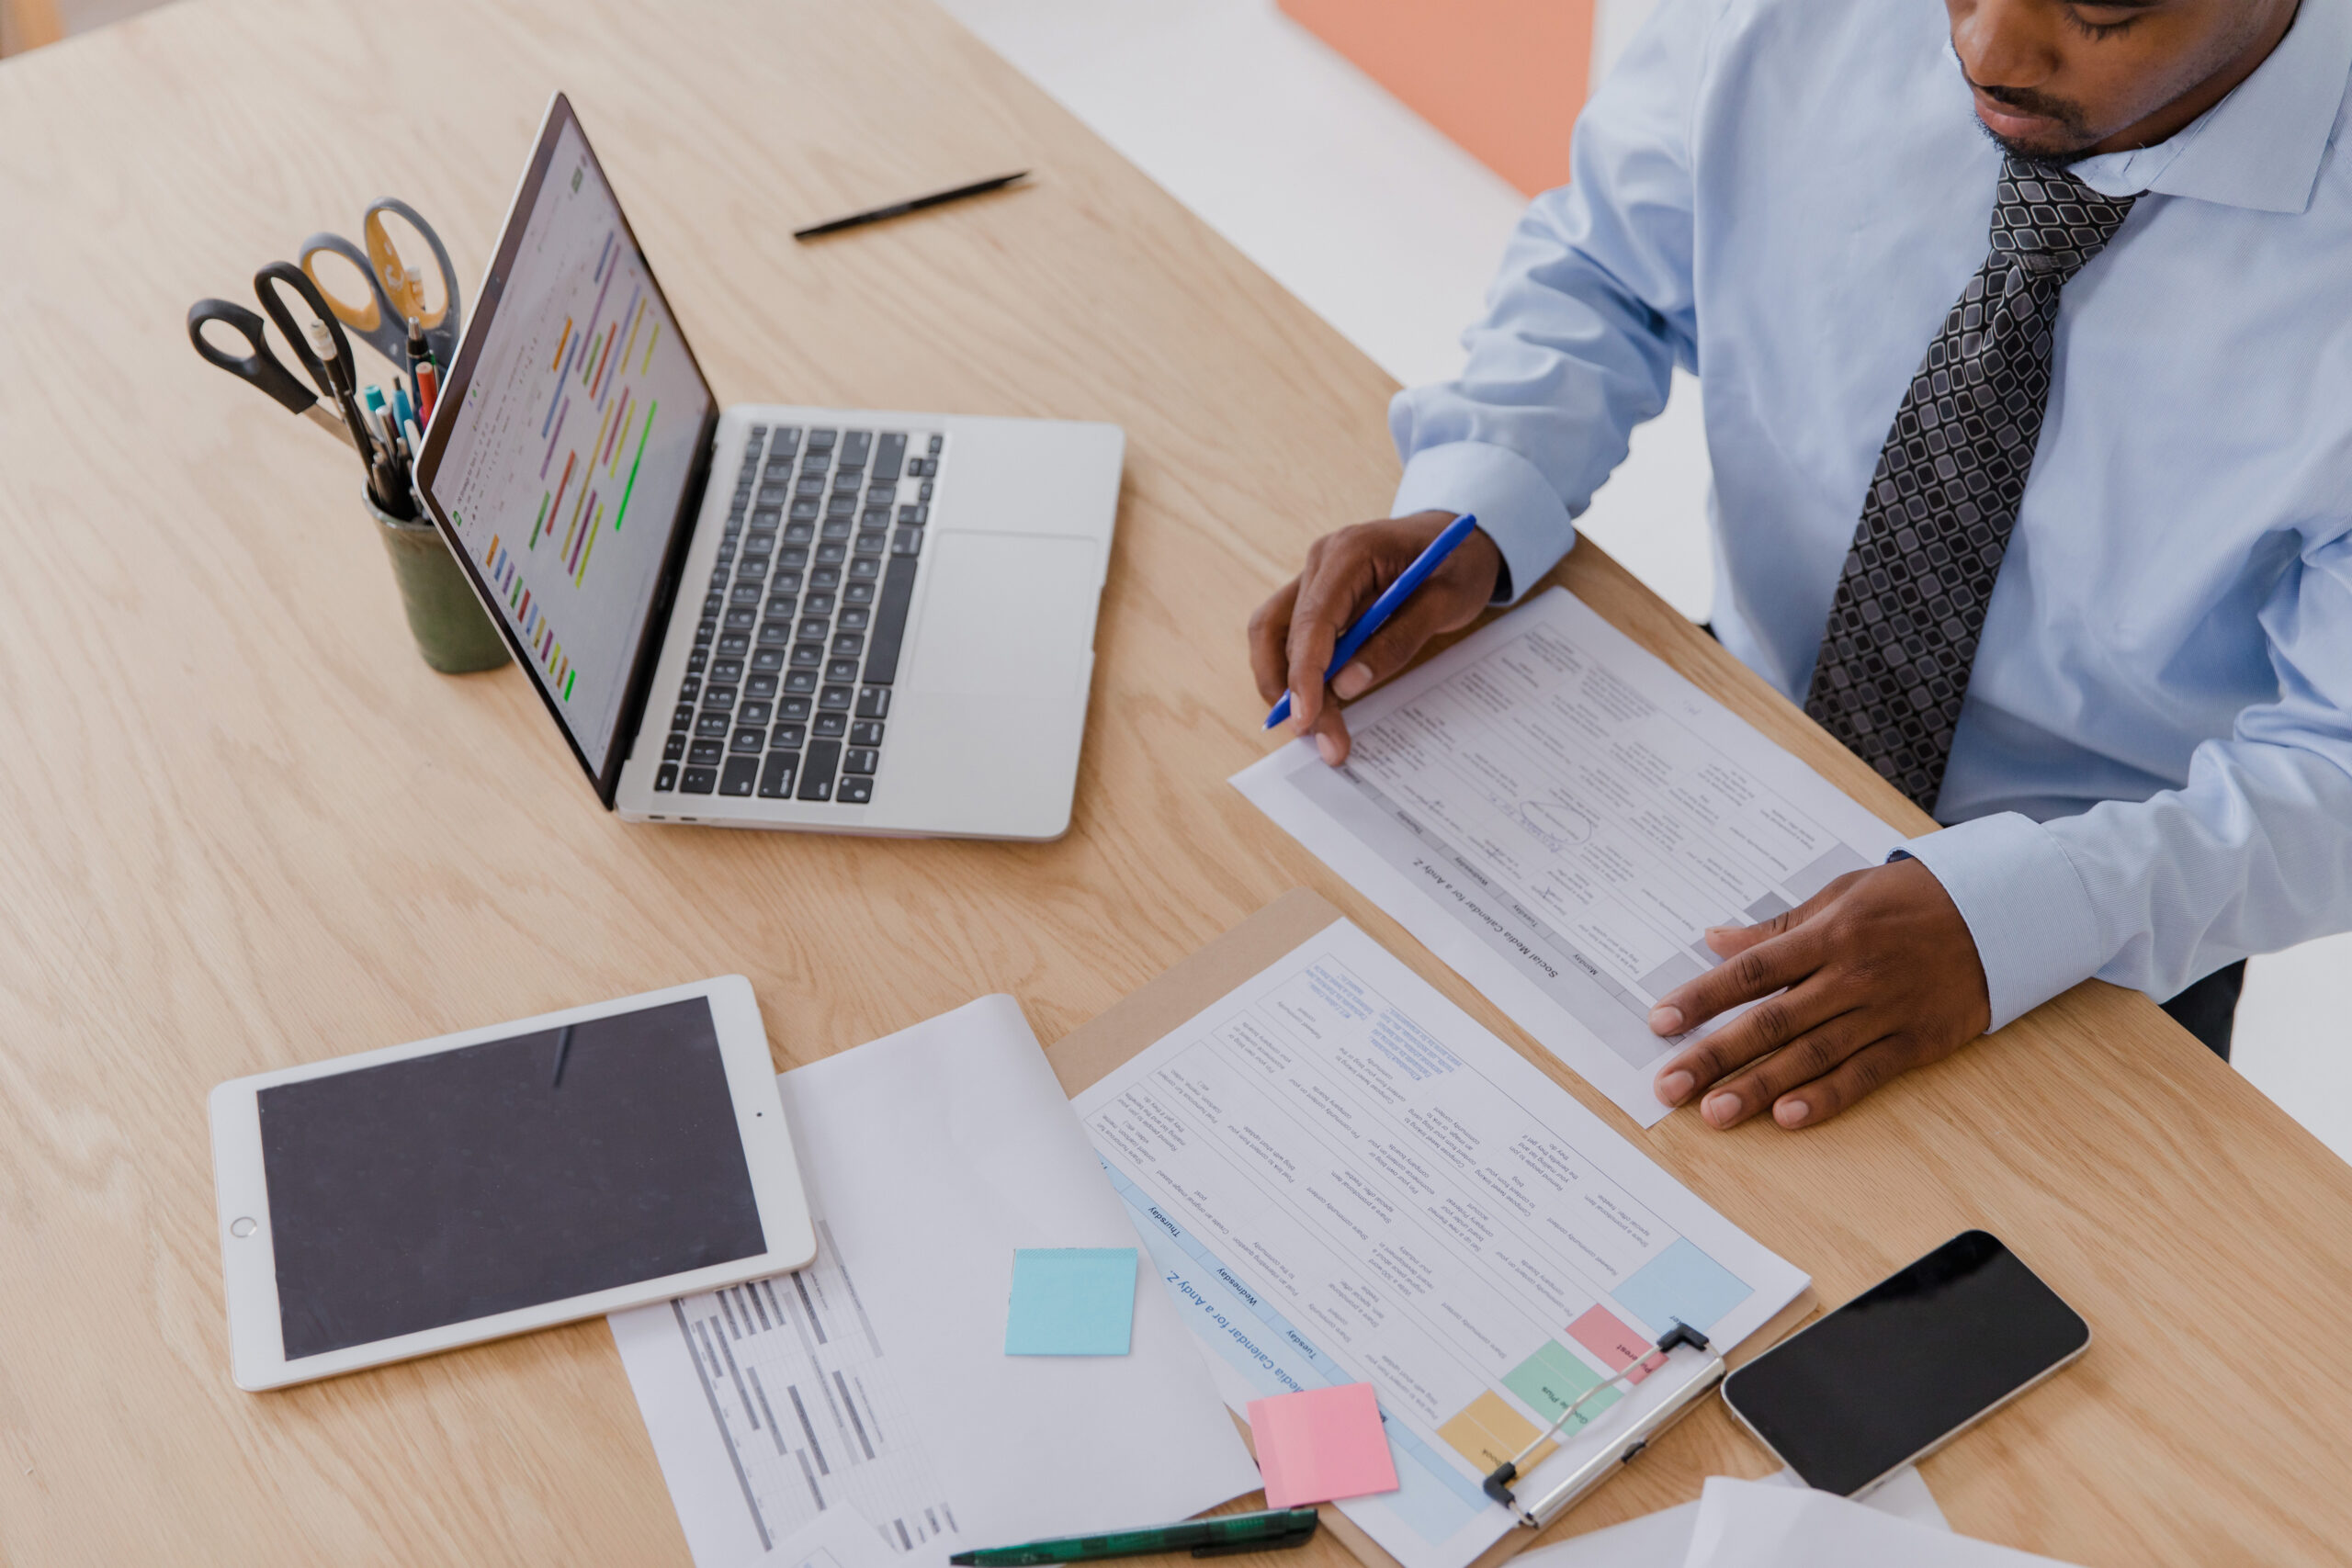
(877, 1380)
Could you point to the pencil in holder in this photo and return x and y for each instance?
(453, 633)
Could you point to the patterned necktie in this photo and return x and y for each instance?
(1910, 604)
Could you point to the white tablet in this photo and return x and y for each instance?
(414, 1198)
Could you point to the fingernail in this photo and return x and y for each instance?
(1675, 1088)
(1352, 681)
(1666, 1021)
(1791, 1112)
(1329, 745)
(1720, 931)
(1721, 1108)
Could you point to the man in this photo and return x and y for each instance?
(2126, 683)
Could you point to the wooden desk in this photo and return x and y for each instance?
(246, 826)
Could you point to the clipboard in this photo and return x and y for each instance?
(1090, 1052)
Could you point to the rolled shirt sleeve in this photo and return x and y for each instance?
(1589, 313)
(1515, 505)
(2253, 853)
(2035, 927)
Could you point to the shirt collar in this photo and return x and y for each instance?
(2261, 146)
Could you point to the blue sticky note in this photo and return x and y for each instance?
(1071, 1301)
(1681, 1284)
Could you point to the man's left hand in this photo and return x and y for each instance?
(1875, 975)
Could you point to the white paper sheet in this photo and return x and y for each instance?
(1752, 1524)
(1559, 816)
(1342, 1178)
(877, 1378)
(1663, 1540)
(838, 1538)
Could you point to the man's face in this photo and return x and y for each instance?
(2058, 78)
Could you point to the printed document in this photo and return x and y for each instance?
(1663, 1540)
(1754, 1524)
(1560, 817)
(876, 1379)
(839, 1537)
(1341, 1178)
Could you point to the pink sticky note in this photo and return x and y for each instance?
(1321, 1444)
(1617, 1346)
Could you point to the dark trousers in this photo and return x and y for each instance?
(2209, 1010)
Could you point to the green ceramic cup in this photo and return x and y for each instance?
(452, 632)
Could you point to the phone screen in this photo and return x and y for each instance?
(1905, 1364)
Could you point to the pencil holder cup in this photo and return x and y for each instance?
(452, 632)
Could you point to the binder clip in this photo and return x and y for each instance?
(1598, 1468)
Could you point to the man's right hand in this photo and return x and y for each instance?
(1292, 634)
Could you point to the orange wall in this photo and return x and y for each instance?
(1504, 78)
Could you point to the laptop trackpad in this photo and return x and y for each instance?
(1006, 613)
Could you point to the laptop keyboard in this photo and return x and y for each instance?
(787, 695)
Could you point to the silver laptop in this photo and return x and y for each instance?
(767, 615)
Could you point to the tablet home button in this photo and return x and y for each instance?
(243, 1225)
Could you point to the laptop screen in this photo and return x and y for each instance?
(577, 415)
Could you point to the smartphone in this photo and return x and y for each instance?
(1906, 1366)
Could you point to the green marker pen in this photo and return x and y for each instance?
(1271, 1531)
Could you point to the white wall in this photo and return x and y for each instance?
(1384, 228)
(1614, 27)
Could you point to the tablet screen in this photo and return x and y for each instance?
(508, 1174)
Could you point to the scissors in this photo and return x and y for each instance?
(395, 291)
(333, 378)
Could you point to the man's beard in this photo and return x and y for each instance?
(2067, 117)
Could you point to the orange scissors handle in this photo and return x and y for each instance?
(404, 285)
(396, 291)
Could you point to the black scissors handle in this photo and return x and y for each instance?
(261, 366)
(337, 377)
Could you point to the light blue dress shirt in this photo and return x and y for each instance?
(2152, 776)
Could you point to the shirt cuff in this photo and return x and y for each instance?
(2036, 932)
(1515, 505)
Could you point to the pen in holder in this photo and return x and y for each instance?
(452, 633)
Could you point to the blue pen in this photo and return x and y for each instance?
(1387, 604)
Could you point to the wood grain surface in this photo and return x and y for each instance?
(246, 826)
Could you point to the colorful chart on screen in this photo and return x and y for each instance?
(565, 465)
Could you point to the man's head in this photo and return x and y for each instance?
(2060, 79)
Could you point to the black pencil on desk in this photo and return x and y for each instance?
(900, 209)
